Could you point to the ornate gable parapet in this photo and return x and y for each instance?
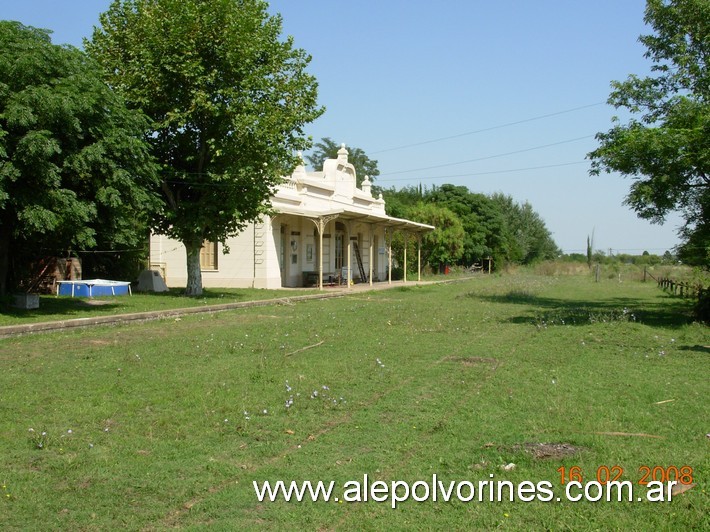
(341, 173)
(337, 180)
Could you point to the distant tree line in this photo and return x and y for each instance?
(470, 227)
(645, 259)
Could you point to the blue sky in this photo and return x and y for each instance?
(502, 96)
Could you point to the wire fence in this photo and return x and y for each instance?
(697, 291)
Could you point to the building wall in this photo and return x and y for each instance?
(254, 258)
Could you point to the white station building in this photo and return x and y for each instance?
(325, 231)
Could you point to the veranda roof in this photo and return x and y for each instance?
(356, 215)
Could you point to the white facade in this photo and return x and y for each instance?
(322, 217)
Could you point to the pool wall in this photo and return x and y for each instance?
(93, 288)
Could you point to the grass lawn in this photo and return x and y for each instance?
(168, 423)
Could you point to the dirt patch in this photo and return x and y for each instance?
(544, 451)
(92, 341)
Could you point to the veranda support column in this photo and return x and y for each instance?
(369, 265)
(321, 223)
(320, 255)
(350, 271)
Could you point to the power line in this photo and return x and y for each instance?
(490, 156)
(508, 124)
(484, 173)
(379, 178)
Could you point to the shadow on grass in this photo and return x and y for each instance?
(668, 312)
(699, 348)
(61, 306)
(207, 293)
(64, 307)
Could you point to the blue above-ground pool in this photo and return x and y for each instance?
(93, 288)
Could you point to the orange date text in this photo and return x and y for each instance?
(614, 473)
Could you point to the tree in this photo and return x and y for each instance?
(493, 226)
(328, 149)
(482, 220)
(590, 250)
(665, 146)
(529, 240)
(74, 168)
(443, 245)
(228, 102)
(398, 202)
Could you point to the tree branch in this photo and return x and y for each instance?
(304, 348)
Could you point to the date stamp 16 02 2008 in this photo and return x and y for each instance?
(682, 475)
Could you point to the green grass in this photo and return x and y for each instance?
(469, 374)
(53, 308)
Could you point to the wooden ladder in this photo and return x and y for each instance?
(359, 263)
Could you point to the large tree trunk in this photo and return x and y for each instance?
(194, 271)
(4, 258)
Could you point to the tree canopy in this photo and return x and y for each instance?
(74, 168)
(665, 146)
(443, 245)
(471, 227)
(228, 100)
(327, 148)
